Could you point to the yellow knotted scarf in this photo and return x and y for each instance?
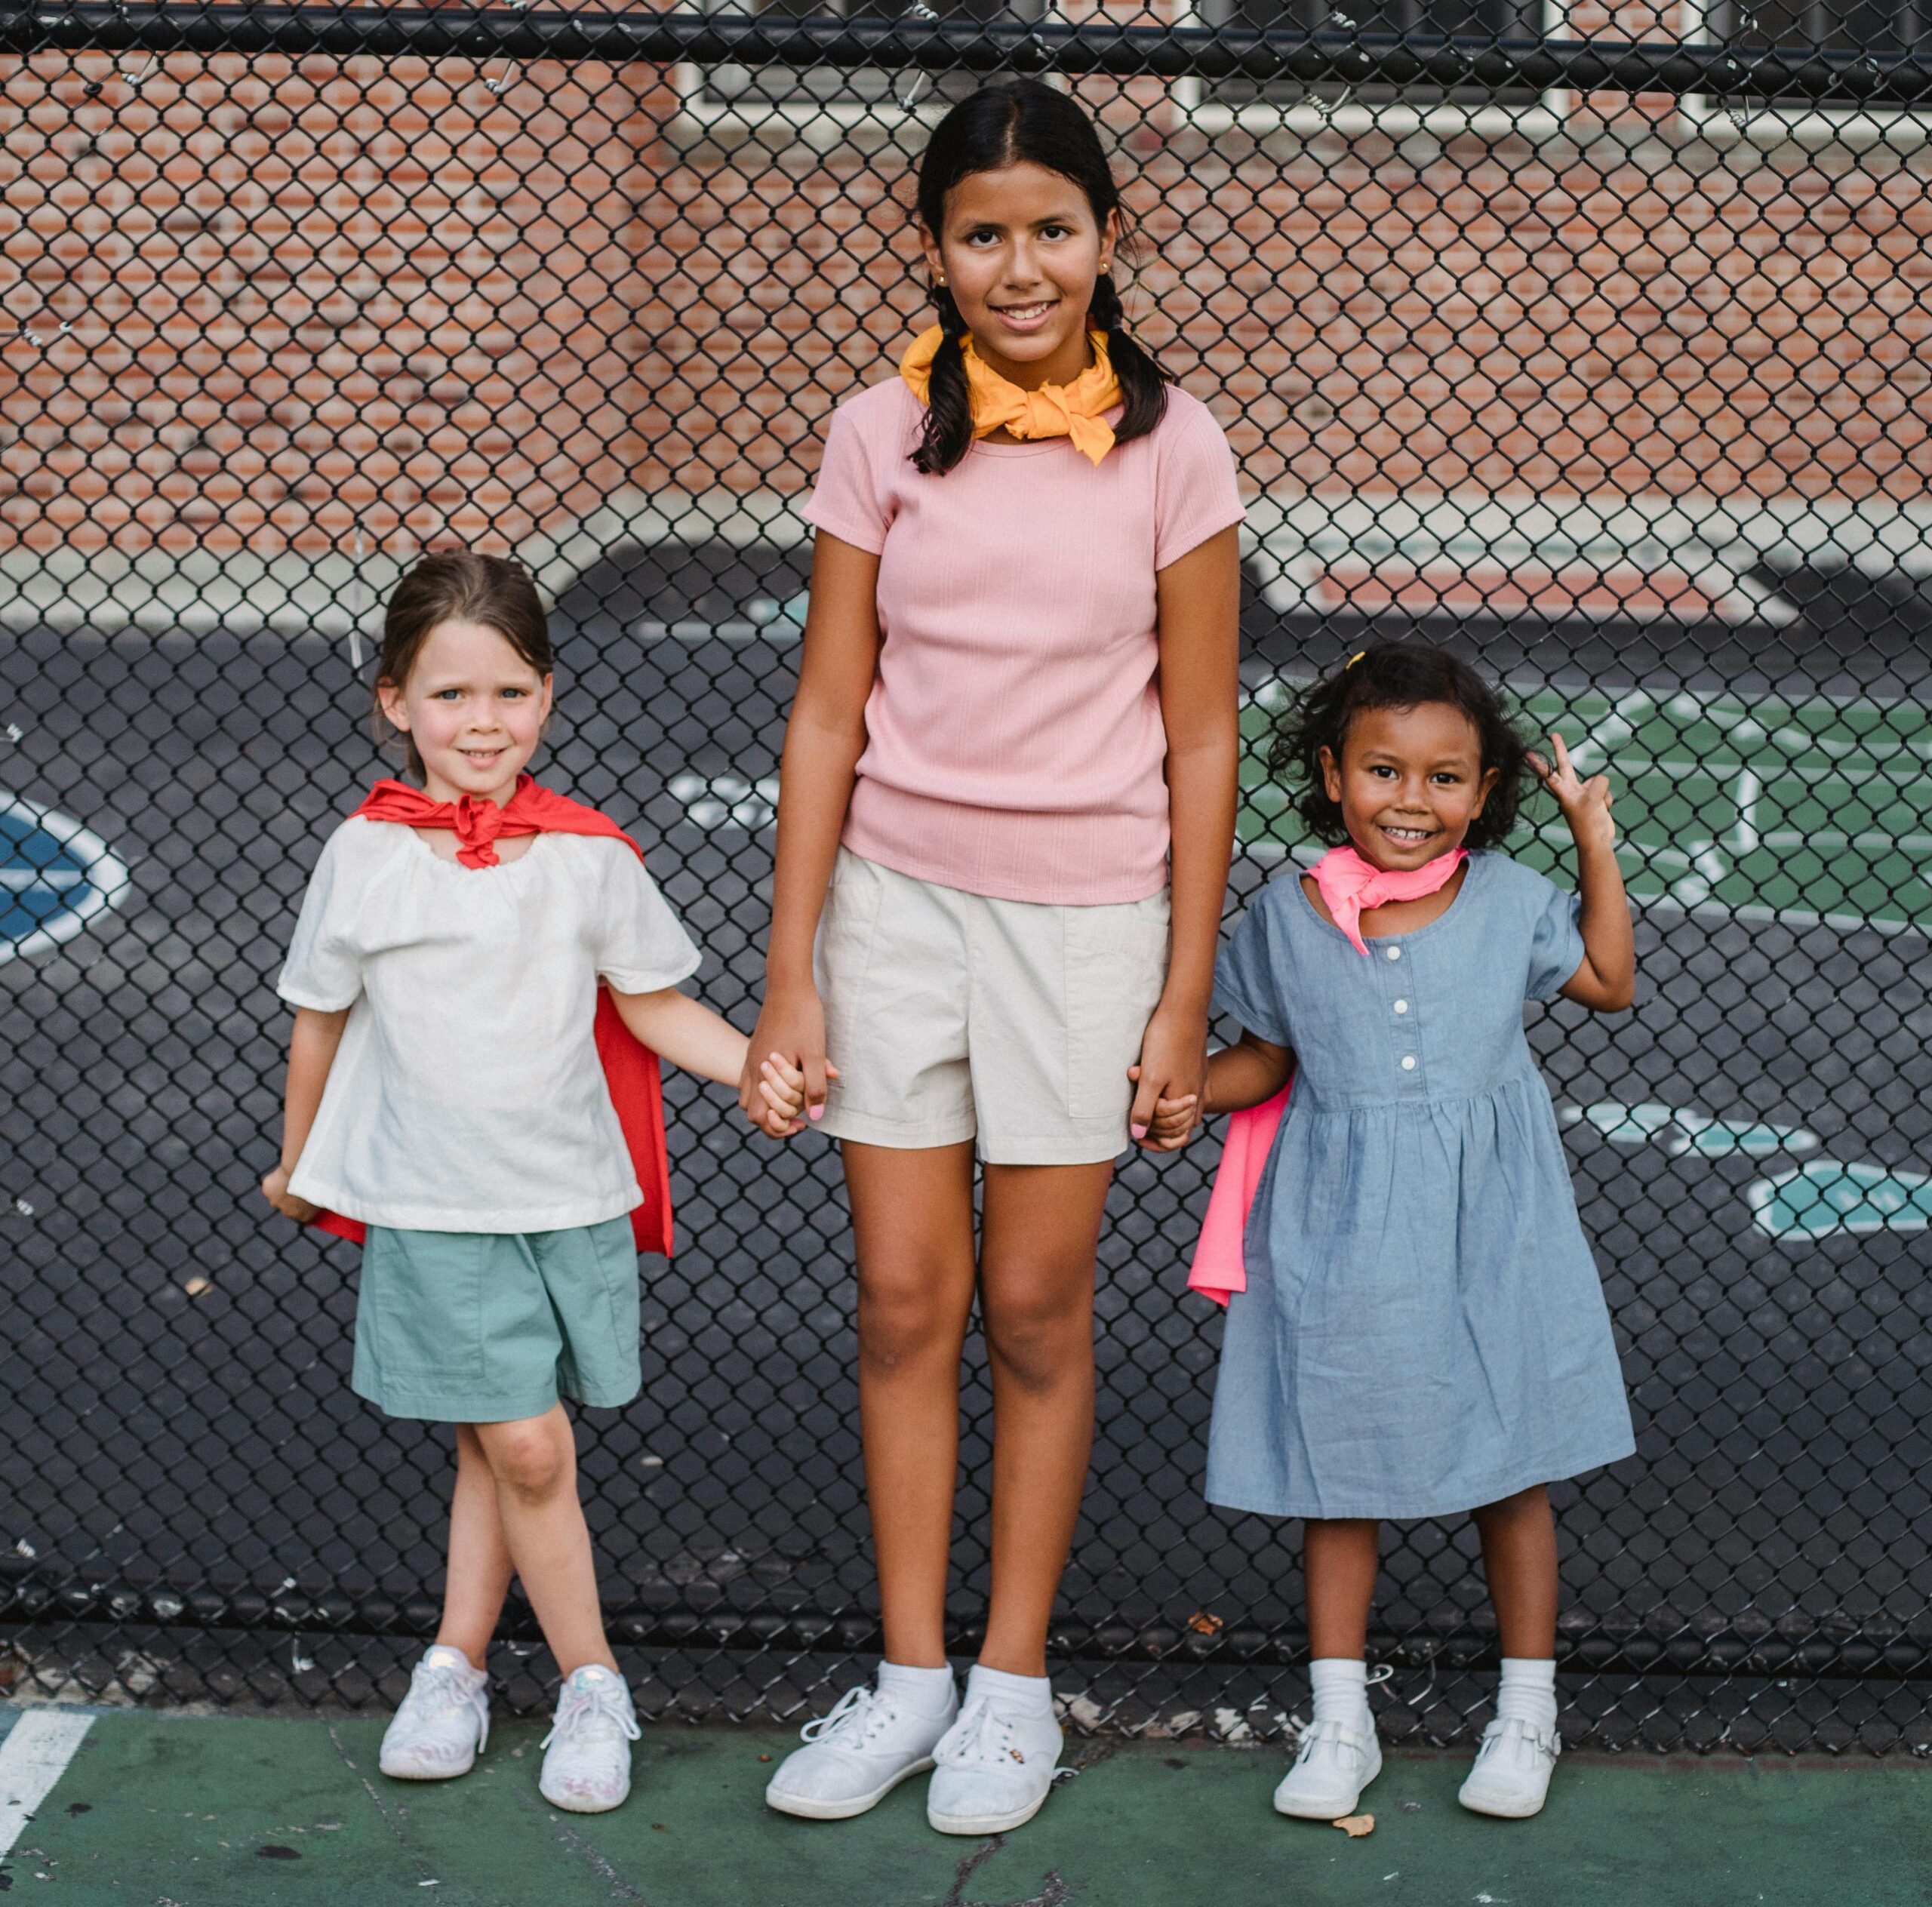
(1077, 410)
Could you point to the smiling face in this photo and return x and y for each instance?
(474, 710)
(1409, 782)
(1020, 251)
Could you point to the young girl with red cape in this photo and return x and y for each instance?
(483, 976)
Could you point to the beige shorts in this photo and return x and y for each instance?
(950, 1016)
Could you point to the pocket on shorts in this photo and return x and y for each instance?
(842, 959)
(1116, 966)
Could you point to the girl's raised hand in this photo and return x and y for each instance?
(1585, 804)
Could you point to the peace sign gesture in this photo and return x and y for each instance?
(1585, 804)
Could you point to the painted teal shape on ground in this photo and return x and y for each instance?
(1829, 1196)
(1680, 1129)
(254, 1813)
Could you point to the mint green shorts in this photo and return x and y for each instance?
(490, 1326)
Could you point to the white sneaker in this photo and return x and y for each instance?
(994, 1769)
(1511, 1777)
(856, 1756)
(587, 1753)
(1335, 1764)
(444, 1722)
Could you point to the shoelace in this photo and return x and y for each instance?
(983, 1736)
(582, 1708)
(436, 1687)
(858, 1715)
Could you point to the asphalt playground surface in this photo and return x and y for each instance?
(175, 1409)
(185, 1811)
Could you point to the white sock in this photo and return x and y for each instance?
(925, 1691)
(1339, 1687)
(1527, 1691)
(1013, 1695)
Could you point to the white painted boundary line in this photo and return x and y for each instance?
(34, 1756)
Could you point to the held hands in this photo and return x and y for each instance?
(1169, 1081)
(778, 1110)
(275, 1189)
(1585, 804)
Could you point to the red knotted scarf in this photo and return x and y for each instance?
(630, 1068)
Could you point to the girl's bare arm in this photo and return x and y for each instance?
(823, 740)
(312, 1049)
(1199, 601)
(1246, 1074)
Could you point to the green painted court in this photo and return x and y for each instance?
(189, 1812)
(1814, 808)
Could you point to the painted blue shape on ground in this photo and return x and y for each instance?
(1680, 1129)
(55, 876)
(1829, 1196)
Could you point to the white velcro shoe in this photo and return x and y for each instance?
(1335, 1764)
(587, 1753)
(856, 1756)
(444, 1722)
(994, 1769)
(1511, 1777)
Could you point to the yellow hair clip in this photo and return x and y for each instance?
(1353, 659)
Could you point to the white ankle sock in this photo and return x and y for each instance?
(1527, 1691)
(1013, 1695)
(925, 1691)
(1340, 1686)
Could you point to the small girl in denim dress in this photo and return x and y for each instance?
(461, 1100)
(1420, 1330)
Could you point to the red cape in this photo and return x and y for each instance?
(630, 1068)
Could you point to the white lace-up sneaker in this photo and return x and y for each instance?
(856, 1756)
(994, 1769)
(1335, 1764)
(1511, 1777)
(444, 1722)
(587, 1753)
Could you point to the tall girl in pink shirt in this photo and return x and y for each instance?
(1007, 808)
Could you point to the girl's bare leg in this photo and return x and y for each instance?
(478, 1576)
(534, 1462)
(1042, 1229)
(912, 1225)
(1519, 1558)
(1340, 1558)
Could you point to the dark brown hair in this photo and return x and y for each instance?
(1399, 675)
(458, 586)
(1017, 120)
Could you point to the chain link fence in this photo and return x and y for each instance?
(1592, 340)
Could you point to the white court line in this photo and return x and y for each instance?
(34, 1756)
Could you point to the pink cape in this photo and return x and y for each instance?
(1220, 1269)
(1350, 883)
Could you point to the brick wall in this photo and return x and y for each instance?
(271, 305)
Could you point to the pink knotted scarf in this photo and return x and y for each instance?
(1349, 884)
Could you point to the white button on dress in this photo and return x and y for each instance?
(1401, 1005)
(1395, 953)
(1408, 1062)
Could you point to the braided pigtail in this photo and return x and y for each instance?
(1143, 384)
(948, 434)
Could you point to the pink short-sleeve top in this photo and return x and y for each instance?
(1014, 745)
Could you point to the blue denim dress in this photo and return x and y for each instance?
(1423, 1329)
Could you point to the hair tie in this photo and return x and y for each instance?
(1353, 659)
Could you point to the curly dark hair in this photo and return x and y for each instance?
(1398, 675)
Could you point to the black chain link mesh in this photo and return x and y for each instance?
(1594, 342)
